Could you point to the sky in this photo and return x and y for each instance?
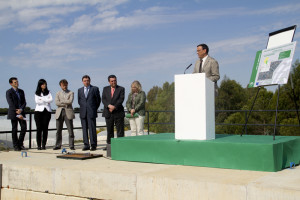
(145, 40)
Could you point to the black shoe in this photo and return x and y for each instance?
(56, 148)
(17, 149)
(105, 148)
(72, 148)
(39, 148)
(22, 147)
(44, 147)
(93, 148)
(85, 148)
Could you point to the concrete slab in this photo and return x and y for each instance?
(277, 186)
(9, 194)
(41, 173)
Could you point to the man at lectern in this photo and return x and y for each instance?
(207, 65)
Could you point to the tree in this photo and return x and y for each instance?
(231, 97)
(266, 100)
(263, 102)
(287, 99)
(161, 99)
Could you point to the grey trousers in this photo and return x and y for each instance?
(59, 126)
(89, 131)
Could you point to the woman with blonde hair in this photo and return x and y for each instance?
(136, 107)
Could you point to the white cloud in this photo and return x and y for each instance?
(21, 14)
(20, 5)
(106, 14)
(177, 60)
(28, 15)
(53, 53)
(238, 44)
(289, 8)
(110, 19)
(110, 4)
(64, 43)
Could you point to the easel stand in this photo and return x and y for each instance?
(276, 38)
(245, 126)
(275, 124)
(274, 132)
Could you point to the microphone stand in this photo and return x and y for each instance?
(187, 68)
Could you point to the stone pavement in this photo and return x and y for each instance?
(43, 176)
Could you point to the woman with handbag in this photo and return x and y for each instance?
(136, 107)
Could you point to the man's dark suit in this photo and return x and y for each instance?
(117, 116)
(88, 114)
(15, 103)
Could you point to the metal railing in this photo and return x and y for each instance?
(30, 121)
(246, 112)
(148, 123)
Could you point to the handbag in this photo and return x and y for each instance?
(128, 115)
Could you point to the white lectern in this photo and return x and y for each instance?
(194, 107)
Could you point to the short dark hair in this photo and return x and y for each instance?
(11, 79)
(63, 81)
(111, 76)
(204, 46)
(86, 76)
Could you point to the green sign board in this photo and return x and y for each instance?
(272, 66)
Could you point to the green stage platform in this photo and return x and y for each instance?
(249, 152)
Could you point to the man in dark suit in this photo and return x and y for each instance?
(89, 101)
(16, 100)
(112, 99)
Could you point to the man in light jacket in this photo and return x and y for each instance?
(64, 113)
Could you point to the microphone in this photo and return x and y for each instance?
(187, 67)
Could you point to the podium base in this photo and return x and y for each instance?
(249, 152)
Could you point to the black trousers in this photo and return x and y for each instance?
(119, 122)
(42, 120)
(18, 141)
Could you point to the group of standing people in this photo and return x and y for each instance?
(112, 98)
(89, 101)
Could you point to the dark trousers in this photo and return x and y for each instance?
(59, 126)
(42, 120)
(110, 122)
(18, 141)
(89, 126)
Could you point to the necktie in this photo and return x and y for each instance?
(86, 92)
(18, 94)
(200, 67)
(112, 92)
(19, 98)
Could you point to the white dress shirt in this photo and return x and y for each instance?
(43, 102)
